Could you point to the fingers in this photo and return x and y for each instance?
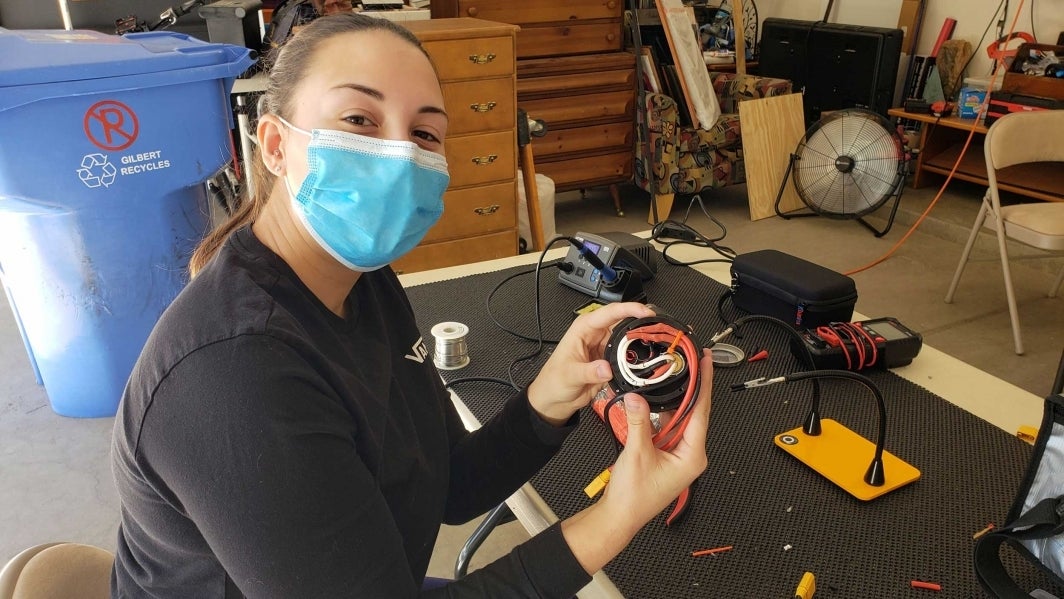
(607, 316)
(640, 430)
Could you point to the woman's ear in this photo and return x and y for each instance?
(269, 138)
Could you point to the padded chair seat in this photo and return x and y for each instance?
(1037, 225)
(686, 160)
(724, 134)
(63, 571)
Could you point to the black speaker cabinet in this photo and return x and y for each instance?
(840, 66)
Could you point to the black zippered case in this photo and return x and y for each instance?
(796, 291)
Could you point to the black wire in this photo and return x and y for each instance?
(813, 419)
(1033, 34)
(539, 321)
(979, 44)
(487, 306)
(539, 326)
(609, 425)
(478, 379)
(694, 237)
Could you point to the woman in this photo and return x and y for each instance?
(273, 441)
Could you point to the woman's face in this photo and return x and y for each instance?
(372, 83)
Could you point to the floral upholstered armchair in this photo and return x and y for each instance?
(686, 160)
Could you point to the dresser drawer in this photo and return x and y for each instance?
(557, 112)
(583, 139)
(484, 158)
(567, 65)
(476, 106)
(540, 11)
(584, 38)
(458, 251)
(472, 58)
(537, 87)
(574, 173)
(476, 211)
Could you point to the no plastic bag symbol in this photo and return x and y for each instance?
(111, 125)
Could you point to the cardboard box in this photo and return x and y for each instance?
(907, 22)
(970, 102)
(1015, 81)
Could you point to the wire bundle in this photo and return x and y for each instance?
(656, 357)
(857, 345)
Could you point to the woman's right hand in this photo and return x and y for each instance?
(645, 479)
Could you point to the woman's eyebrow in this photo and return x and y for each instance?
(433, 110)
(377, 95)
(369, 91)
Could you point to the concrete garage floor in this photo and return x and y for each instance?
(56, 473)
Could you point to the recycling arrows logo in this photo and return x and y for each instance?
(96, 171)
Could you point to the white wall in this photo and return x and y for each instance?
(972, 17)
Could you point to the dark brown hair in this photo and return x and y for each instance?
(286, 67)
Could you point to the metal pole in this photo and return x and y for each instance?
(64, 12)
(246, 148)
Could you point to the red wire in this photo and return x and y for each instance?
(663, 333)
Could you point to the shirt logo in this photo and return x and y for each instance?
(418, 351)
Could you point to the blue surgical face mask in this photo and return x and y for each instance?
(368, 201)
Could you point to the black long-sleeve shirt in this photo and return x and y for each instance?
(266, 447)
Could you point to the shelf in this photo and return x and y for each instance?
(1039, 180)
(942, 140)
(972, 167)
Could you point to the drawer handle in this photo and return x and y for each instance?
(483, 160)
(486, 210)
(610, 37)
(472, 11)
(611, 5)
(481, 58)
(486, 107)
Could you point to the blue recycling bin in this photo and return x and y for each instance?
(105, 143)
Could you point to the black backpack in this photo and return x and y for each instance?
(1035, 526)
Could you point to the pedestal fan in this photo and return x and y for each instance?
(847, 165)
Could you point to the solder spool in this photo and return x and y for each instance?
(451, 350)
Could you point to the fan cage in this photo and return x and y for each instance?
(848, 164)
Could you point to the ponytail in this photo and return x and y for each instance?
(247, 212)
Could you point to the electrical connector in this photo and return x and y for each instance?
(758, 382)
(598, 484)
(676, 232)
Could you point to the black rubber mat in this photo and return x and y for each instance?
(781, 518)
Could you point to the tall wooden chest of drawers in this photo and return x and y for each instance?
(475, 62)
(572, 73)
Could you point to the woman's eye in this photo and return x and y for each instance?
(425, 135)
(359, 120)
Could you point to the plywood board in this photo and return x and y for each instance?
(678, 22)
(771, 129)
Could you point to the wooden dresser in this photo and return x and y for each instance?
(475, 61)
(573, 74)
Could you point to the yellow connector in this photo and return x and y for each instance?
(807, 587)
(1027, 433)
(598, 484)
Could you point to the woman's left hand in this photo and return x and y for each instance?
(576, 370)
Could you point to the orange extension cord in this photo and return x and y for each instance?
(949, 177)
